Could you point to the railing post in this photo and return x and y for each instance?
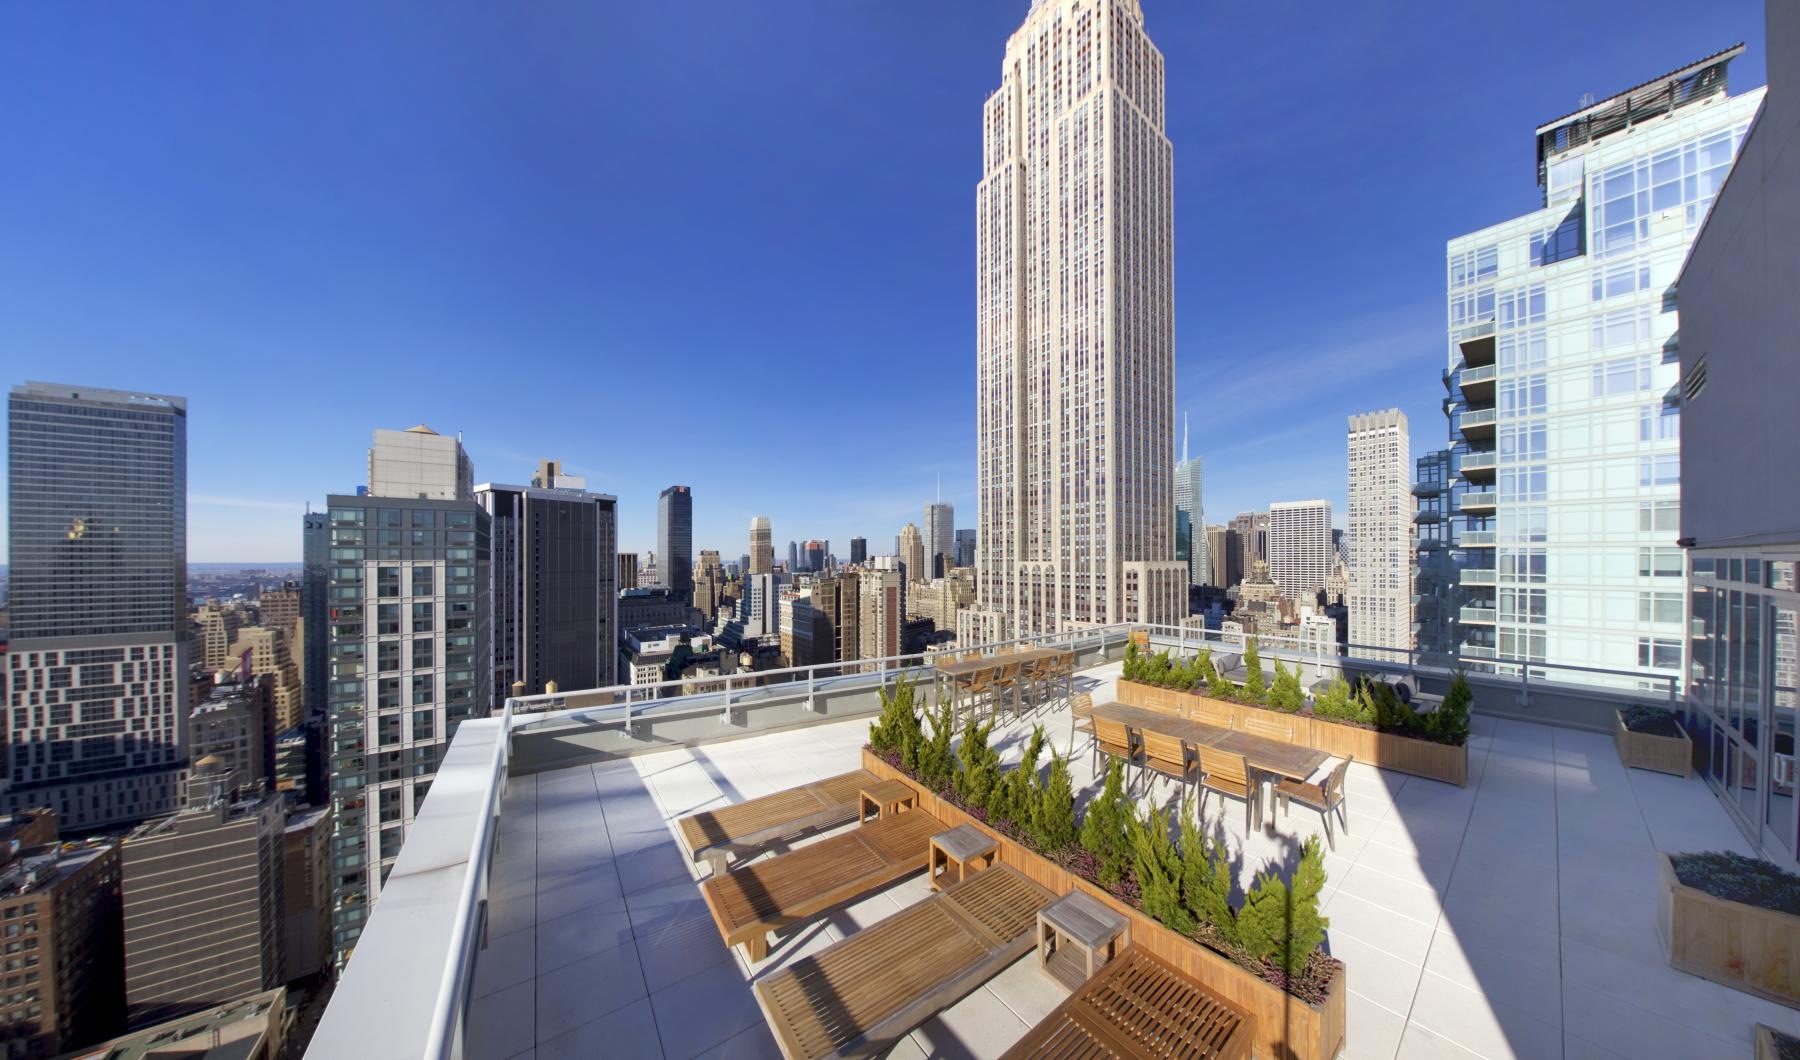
(726, 717)
(811, 705)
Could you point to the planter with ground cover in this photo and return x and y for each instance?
(1732, 919)
(1652, 738)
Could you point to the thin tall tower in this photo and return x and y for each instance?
(1188, 500)
(1075, 335)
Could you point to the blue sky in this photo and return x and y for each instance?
(731, 244)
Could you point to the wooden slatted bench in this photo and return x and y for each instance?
(860, 995)
(714, 836)
(1140, 1005)
(750, 901)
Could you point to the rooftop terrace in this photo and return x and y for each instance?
(1511, 917)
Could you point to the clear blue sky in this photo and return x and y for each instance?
(731, 244)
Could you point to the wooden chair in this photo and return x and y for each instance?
(1268, 726)
(750, 901)
(983, 682)
(1140, 1005)
(1168, 756)
(714, 836)
(861, 994)
(1327, 797)
(1115, 739)
(1081, 718)
(1229, 775)
(1141, 638)
(1035, 674)
(1007, 681)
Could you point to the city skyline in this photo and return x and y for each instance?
(1265, 421)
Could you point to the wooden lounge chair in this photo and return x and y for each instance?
(1081, 718)
(1327, 797)
(1229, 775)
(1116, 740)
(858, 996)
(1168, 756)
(714, 836)
(1140, 1005)
(750, 901)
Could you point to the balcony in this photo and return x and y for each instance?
(1476, 539)
(1477, 651)
(1479, 576)
(1476, 425)
(1477, 384)
(1479, 465)
(1477, 344)
(1476, 616)
(1428, 489)
(1482, 503)
(1428, 515)
(544, 900)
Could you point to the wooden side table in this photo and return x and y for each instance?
(1077, 934)
(889, 796)
(960, 846)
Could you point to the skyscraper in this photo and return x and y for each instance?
(1379, 535)
(1188, 499)
(411, 657)
(912, 554)
(1252, 530)
(1075, 335)
(793, 556)
(675, 541)
(315, 632)
(762, 548)
(97, 542)
(965, 548)
(939, 531)
(1560, 330)
(859, 550)
(1300, 553)
(1433, 579)
(1222, 557)
(555, 587)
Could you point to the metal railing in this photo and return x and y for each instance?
(1476, 539)
(1480, 615)
(1484, 499)
(1475, 418)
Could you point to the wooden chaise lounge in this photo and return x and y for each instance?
(860, 995)
(752, 900)
(1140, 1005)
(714, 836)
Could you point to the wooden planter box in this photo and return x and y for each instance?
(1642, 750)
(1402, 754)
(1287, 1028)
(1741, 946)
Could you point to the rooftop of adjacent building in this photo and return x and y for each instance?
(42, 868)
(34, 389)
(234, 1031)
(1513, 916)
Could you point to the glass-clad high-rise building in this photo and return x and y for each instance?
(675, 541)
(1561, 361)
(97, 546)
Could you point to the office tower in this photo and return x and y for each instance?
(762, 550)
(280, 607)
(675, 540)
(939, 533)
(759, 613)
(555, 588)
(264, 651)
(1560, 333)
(743, 566)
(812, 555)
(1188, 500)
(1433, 576)
(859, 550)
(879, 614)
(1740, 517)
(911, 550)
(1252, 530)
(61, 907)
(315, 634)
(965, 548)
(1221, 556)
(647, 573)
(837, 605)
(709, 584)
(97, 543)
(419, 463)
(203, 902)
(411, 657)
(1075, 376)
(1300, 554)
(793, 556)
(626, 570)
(306, 893)
(1378, 540)
(217, 625)
(235, 724)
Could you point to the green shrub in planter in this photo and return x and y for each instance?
(1285, 694)
(1014, 794)
(1053, 816)
(1253, 691)
(1450, 722)
(898, 727)
(935, 762)
(1103, 827)
(1206, 878)
(1159, 871)
(1282, 924)
(980, 764)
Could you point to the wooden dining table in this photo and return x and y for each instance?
(960, 673)
(1272, 758)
